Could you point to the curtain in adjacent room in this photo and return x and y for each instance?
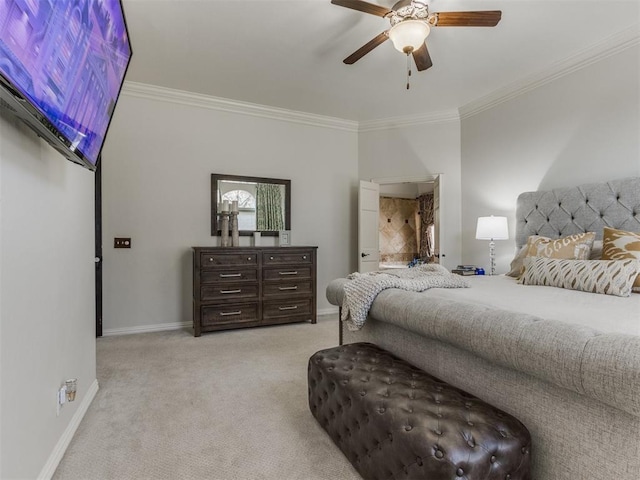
(269, 209)
(425, 204)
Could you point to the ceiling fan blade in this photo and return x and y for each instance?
(361, 6)
(366, 48)
(422, 58)
(489, 18)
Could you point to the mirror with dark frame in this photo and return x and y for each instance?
(264, 204)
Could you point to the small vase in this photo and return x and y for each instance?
(235, 235)
(224, 230)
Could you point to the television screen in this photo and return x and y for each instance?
(68, 59)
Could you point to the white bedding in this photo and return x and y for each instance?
(606, 313)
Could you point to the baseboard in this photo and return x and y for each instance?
(327, 311)
(61, 447)
(159, 327)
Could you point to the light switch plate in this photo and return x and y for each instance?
(121, 242)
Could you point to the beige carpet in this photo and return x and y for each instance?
(227, 405)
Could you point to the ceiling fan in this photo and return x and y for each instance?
(411, 22)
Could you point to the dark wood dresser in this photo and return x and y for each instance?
(236, 287)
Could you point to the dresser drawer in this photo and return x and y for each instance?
(211, 259)
(215, 315)
(291, 273)
(287, 257)
(230, 291)
(229, 275)
(291, 307)
(281, 289)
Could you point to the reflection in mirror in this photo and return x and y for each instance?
(263, 203)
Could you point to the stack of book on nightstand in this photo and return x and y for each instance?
(464, 270)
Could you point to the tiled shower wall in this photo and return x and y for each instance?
(397, 230)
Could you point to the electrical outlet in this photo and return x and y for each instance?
(122, 242)
(61, 398)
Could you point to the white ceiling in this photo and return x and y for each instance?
(288, 53)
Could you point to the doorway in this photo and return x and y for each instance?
(396, 223)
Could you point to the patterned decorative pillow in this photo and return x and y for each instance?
(618, 244)
(572, 247)
(596, 251)
(610, 277)
(516, 263)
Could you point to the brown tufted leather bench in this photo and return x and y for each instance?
(394, 421)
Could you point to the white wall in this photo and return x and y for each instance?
(420, 151)
(156, 189)
(47, 319)
(580, 128)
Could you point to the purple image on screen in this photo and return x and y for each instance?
(69, 57)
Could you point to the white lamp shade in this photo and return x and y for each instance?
(492, 228)
(409, 35)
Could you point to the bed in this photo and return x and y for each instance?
(564, 362)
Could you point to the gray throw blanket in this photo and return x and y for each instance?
(363, 288)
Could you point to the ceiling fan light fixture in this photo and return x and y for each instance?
(409, 35)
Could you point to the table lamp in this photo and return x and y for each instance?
(492, 228)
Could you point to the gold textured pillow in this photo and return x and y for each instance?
(610, 277)
(572, 247)
(618, 245)
(596, 251)
(516, 263)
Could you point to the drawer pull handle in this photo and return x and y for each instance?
(210, 259)
(270, 258)
(248, 259)
(227, 314)
(304, 257)
(287, 273)
(230, 275)
(293, 307)
(288, 288)
(230, 291)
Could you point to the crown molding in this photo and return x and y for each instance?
(409, 120)
(608, 47)
(152, 92)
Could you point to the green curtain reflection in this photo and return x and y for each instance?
(269, 211)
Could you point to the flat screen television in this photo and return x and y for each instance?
(62, 65)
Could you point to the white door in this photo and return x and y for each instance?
(437, 224)
(368, 236)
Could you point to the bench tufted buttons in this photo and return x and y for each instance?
(449, 434)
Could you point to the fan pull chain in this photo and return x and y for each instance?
(408, 70)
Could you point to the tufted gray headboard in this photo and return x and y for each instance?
(587, 208)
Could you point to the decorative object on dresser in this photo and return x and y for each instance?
(284, 238)
(252, 286)
(224, 224)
